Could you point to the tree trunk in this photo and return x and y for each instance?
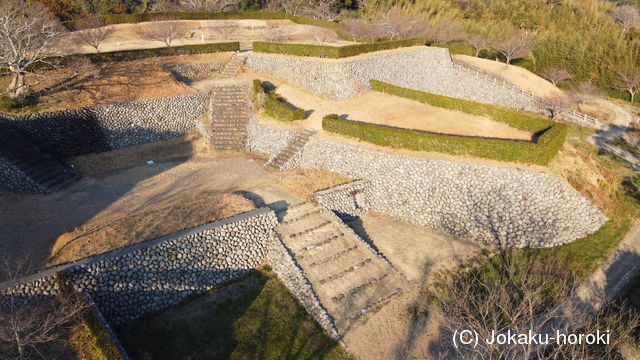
(17, 88)
(19, 345)
(633, 95)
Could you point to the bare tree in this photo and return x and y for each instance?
(293, 7)
(628, 16)
(515, 45)
(555, 75)
(358, 29)
(517, 293)
(582, 93)
(224, 31)
(395, 24)
(479, 42)
(26, 324)
(628, 80)
(506, 293)
(93, 32)
(279, 34)
(445, 31)
(28, 33)
(164, 31)
(324, 9)
(322, 36)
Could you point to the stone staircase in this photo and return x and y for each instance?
(350, 279)
(48, 174)
(233, 66)
(293, 147)
(229, 115)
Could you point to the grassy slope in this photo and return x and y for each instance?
(253, 318)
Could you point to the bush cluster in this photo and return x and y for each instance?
(549, 135)
(541, 152)
(273, 104)
(334, 52)
(126, 55)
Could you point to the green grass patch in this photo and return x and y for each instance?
(462, 49)
(334, 52)
(550, 135)
(126, 55)
(252, 318)
(274, 105)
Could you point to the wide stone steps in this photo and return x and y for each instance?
(233, 66)
(350, 279)
(47, 173)
(229, 115)
(294, 146)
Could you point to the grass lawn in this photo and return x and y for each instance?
(252, 318)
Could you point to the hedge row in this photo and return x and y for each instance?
(522, 120)
(334, 52)
(273, 104)
(541, 152)
(125, 55)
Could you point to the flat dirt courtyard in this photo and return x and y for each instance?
(379, 108)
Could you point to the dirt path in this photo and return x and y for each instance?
(520, 77)
(384, 109)
(616, 129)
(31, 223)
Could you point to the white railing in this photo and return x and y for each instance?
(557, 109)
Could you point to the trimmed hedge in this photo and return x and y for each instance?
(334, 52)
(275, 108)
(541, 152)
(522, 120)
(273, 105)
(463, 49)
(125, 55)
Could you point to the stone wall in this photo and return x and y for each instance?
(74, 132)
(508, 206)
(189, 73)
(267, 140)
(14, 180)
(128, 283)
(428, 69)
(346, 200)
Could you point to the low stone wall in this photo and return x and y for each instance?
(74, 132)
(507, 206)
(346, 200)
(265, 139)
(428, 69)
(294, 278)
(14, 180)
(128, 283)
(194, 72)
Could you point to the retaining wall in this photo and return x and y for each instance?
(128, 283)
(428, 69)
(346, 200)
(74, 132)
(507, 206)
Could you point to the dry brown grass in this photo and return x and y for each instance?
(105, 83)
(176, 148)
(303, 182)
(191, 210)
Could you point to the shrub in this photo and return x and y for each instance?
(518, 119)
(463, 49)
(334, 52)
(275, 108)
(541, 152)
(125, 55)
